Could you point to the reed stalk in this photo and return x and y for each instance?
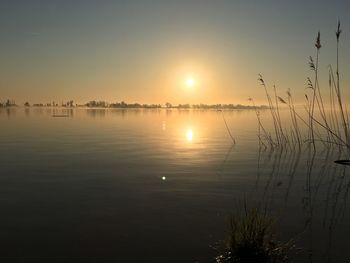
(335, 124)
(276, 122)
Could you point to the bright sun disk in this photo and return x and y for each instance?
(190, 82)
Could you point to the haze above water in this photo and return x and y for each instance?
(156, 186)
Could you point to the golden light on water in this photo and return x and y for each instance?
(189, 135)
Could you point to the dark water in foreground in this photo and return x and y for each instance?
(156, 186)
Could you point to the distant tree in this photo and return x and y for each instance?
(184, 106)
(27, 104)
(168, 105)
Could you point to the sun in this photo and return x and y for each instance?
(190, 82)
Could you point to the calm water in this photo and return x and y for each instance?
(156, 186)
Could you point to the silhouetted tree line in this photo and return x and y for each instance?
(134, 105)
(68, 104)
(8, 103)
(97, 104)
(123, 105)
(225, 106)
(213, 106)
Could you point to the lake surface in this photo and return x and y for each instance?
(157, 186)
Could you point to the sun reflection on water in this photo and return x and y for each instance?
(189, 135)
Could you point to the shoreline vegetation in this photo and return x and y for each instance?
(250, 237)
(327, 128)
(124, 105)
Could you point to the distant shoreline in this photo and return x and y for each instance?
(124, 105)
(191, 107)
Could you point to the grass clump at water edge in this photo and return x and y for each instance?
(251, 239)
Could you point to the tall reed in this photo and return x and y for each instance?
(334, 126)
(274, 110)
(263, 135)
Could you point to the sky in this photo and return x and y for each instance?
(144, 51)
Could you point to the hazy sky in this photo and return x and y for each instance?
(144, 50)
